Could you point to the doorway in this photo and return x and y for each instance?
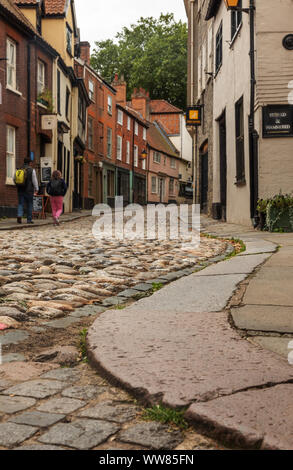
(204, 183)
(223, 165)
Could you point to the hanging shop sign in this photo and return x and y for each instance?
(49, 122)
(46, 169)
(193, 116)
(278, 121)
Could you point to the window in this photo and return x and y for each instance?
(143, 164)
(11, 63)
(173, 163)
(144, 133)
(41, 77)
(236, 20)
(154, 185)
(101, 97)
(58, 92)
(219, 48)
(120, 117)
(110, 104)
(67, 104)
(239, 121)
(135, 155)
(127, 152)
(128, 123)
(91, 90)
(136, 128)
(68, 40)
(10, 154)
(90, 179)
(90, 130)
(119, 147)
(157, 157)
(171, 186)
(101, 138)
(109, 142)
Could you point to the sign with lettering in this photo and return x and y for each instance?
(193, 116)
(278, 121)
(49, 122)
(38, 204)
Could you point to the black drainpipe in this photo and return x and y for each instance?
(28, 99)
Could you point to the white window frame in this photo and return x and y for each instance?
(172, 189)
(173, 163)
(120, 117)
(10, 153)
(91, 90)
(127, 151)
(11, 64)
(109, 142)
(143, 164)
(41, 79)
(128, 123)
(154, 185)
(135, 156)
(109, 105)
(119, 148)
(136, 128)
(144, 135)
(157, 157)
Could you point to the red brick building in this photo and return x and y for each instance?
(25, 72)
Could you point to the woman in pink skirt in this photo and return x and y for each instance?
(56, 189)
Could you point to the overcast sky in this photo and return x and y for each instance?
(99, 20)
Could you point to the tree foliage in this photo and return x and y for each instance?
(151, 54)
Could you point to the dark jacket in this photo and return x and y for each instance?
(61, 189)
(30, 186)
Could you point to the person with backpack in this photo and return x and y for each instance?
(25, 180)
(56, 189)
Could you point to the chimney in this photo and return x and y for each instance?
(120, 86)
(140, 101)
(85, 51)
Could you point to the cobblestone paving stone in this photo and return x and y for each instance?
(49, 277)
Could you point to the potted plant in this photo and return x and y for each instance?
(46, 99)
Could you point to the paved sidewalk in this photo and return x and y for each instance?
(215, 342)
(11, 224)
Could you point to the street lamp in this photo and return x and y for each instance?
(253, 135)
(143, 154)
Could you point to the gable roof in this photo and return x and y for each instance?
(162, 107)
(158, 140)
(15, 13)
(55, 7)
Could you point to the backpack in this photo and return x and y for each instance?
(20, 177)
(57, 188)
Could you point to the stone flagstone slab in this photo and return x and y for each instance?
(254, 418)
(61, 405)
(254, 246)
(179, 358)
(36, 388)
(276, 344)
(244, 265)
(13, 434)
(68, 375)
(264, 318)
(11, 405)
(38, 419)
(82, 434)
(110, 412)
(269, 292)
(153, 435)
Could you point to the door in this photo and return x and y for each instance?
(204, 181)
(223, 166)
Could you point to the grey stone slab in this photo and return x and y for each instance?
(13, 434)
(108, 411)
(11, 405)
(128, 293)
(284, 273)
(236, 265)
(254, 246)
(38, 419)
(143, 287)
(197, 293)
(255, 418)
(276, 344)
(264, 318)
(85, 392)
(61, 405)
(111, 301)
(171, 276)
(13, 337)
(62, 323)
(38, 447)
(65, 374)
(81, 434)
(269, 292)
(158, 280)
(152, 435)
(284, 258)
(36, 388)
(13, 357)
(180, 357)
(87, 311)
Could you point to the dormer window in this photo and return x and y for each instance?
(68, 39)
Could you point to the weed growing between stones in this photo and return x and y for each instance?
(156, 286)
(166, 416)
(82, 345)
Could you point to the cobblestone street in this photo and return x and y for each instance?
(54, 283)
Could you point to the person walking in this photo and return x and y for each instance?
(26, 182)
(56, 189)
